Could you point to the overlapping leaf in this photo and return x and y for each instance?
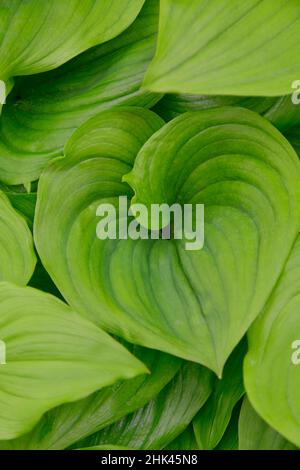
(172, 105)
(43, 111)
(52, 356)
(193, 304)
(227, 47)
(76, 79)
(281, 112)
(22, 200)
(256, 434)
(235, 163)
(293, 135)
(17, 257)
(163, 418)
(105, 447)
(64, 425)
(230, 439)
(272, 371)
(40, 35)
(212, 420)
(185, 441)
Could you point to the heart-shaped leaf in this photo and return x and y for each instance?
(52, 356)
(71, 422)
(193, 304)
(235, 163)
(227, 47)
(164, 417)
(17, 257)
(40, 35)
(256, 434)
(43, 111)
(272, 370)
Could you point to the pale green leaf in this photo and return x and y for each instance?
(53, 356)
(224, 47)
(230, 159)
(43, 111)
(64, 425)
(247, 176)
(272, 370)
(256, 434)
(38, 35)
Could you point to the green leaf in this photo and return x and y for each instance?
(43, 111)
(25, 204)
(23, 201)
(5, 89)
(171, 106)
(185, 441)
(271, 373)
(164, 417)
(212, 420)
(247, 176)
(256, 434)
(17, 257)
(224, 47)
(52, 356)
(293, 136)
(64, 425)
(42, 281)
(230, 439)
(281, 112)
(105, 447)
(36, 35)
(230, 159)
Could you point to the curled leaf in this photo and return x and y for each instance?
(193, 304)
